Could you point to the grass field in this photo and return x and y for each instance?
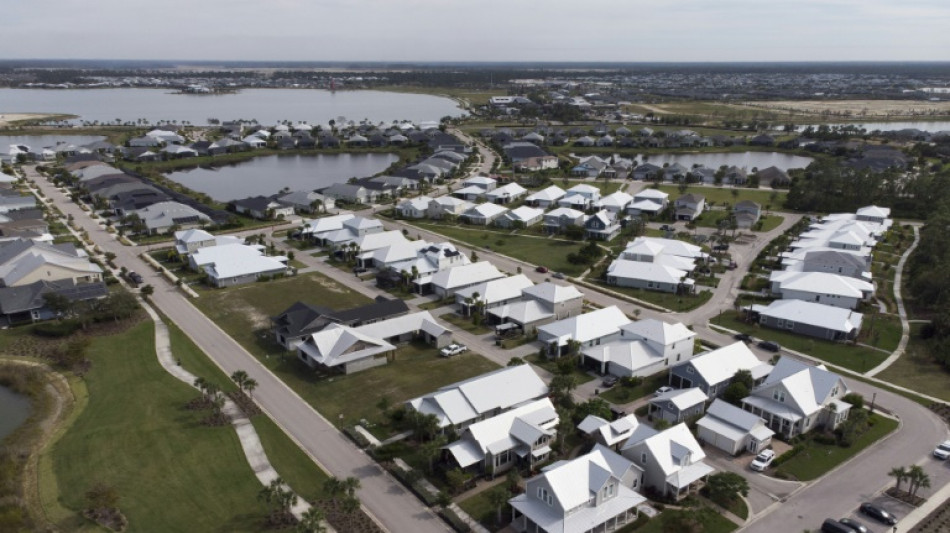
(551, 253)
(171, 472)
(480, 508)
(819, 459)
(724, 195)
(666, 300)
(918, 370)
(619, 394)
(669, 521)
(857, 358)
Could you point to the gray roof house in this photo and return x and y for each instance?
(261, 207)
(161, 217)
(345, 192)
(713, 371)
(306, 201)
(733, 430)
(689, 206)
(747, 213)
(302, 319)
(26, 303)
(678, 405)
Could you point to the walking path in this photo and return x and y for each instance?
(901, 311)
(250, 441)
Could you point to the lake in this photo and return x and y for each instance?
(269, 174)
(268, 106)
(42, 141)
(746, 160)
(14, 410)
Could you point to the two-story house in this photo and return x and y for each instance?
(672, 460)
(562, 218)
(650, 202)
(713, 371)
(689, 206)
(593, 492)
(589, 329)
(644, 348)
(602, 225)
(747, 213)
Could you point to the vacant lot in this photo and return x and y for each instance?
(729, 195)
(856, 109)
(918, 370)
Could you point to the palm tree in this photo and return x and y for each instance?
(311, 521)
(239, 377)
(918, 479)
(249, 385)
(497, 498)
(900, 474)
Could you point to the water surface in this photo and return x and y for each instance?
(14, 410)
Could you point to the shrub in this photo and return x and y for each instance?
(56, 330)
(453, 520)
(356, 437)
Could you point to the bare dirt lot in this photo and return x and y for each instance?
(8, 118)
(858, 108)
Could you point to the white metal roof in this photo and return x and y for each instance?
(522, 312)
(813, 314)
(821, 282)
(498, 290)
(486, 210)
(465, 275)
(552, 292)
(588, 326)
(550, 194)
(721, 364)
(525, 214)
(663, 333)
(654, 272)
(682, 399)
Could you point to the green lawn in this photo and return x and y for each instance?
(171, 472)
(669, 521)
(548, 252)
(724, 195)
(770, 222)
(918, 370)
(465, 323)
(881, 331)
(857, 358)
(244, 312)
(666, 300)
(480, 508)
(551, 366)
(819, 459)
(296, 467)
(619, 394)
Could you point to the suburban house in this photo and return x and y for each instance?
(516, 438)
(612, 434)
(189, 241)
(615, 202)
(484, 183)
(307, 201)
(678, 405)
(417, 207)
(733, 430)
(520, 217)
(672, 460)
(773, 177)
(447, 205)
(234, 264)
(644, 348)
(350, 193)
(558, 220)
(459, 405)
(472, 193)
(646, 171)
(483, 214)
(588, 329)
(299, 320)
(735, 176)
(747, 213)
(165, 216)
(602, 225)
(428, 260)
(591, 193)
(348, 349)
(445, 283)
(797, 398)
(596, 492)
(261, 208)
(838, 262)
(675, 172)
(809, 318)
(689, 206)
(589, 167)
(24, 262)
(669, 252)
(491, 294)
(23, 304)
(873, 213)
(545, 198)
(821, 287)
(317, 228)
(14, 201)
(506, 194)
(649, 202)
(347, 229)
(713, 371)
(650, 276)
(539, 304)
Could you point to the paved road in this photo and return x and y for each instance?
(383, 497)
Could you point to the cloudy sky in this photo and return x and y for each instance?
(478, 30)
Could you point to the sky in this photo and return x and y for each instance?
(478, 30)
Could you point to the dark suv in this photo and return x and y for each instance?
(770, 346)
(135, 278)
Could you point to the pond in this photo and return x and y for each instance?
(267, 175)
(265, 105)
(42, 141)
(747, 160)
(14, 410)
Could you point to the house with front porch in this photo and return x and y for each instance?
(483, 214)
(678, 405)
(602, 225)
(733, 430)
(447, 206)
(520, 217)
(616, 202)
(689, 206)
(540, 304)
(612, 434)
(417, 207)
(672, 461)
(447, 282)
(491, 294)
(713, 371)
(650, 202)
(589, 329)
(596, 492)
(645, 347)
(506, 194)
(519, 438)
(560, 219)
(809, 318)
(798, 397)
(545, 198)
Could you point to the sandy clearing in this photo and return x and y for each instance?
(858, 108)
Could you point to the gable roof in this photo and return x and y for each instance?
(588, 326)
(682, 399)
(610, 433)
(721, 364)
(497, 290)
(549, 194)
(658, 331)
(463, 275)
(813, 314)
(552, 293)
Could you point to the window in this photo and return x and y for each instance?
(643, 458)
(689, 370)
(778, 395)
(780, 323)
(608, 491)
(545, 496)
(789, 324)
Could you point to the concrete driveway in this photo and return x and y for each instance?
(764, 491)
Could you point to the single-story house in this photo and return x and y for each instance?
(678, 405)
(261, 208)
(447, 282)
(733, 430)
(506, 193)
(713, 371)
(235, 264)
(483, 214)
(521, 217)
(545, 198)
(808, 318)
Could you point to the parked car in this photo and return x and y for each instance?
(135, 278)
(763, 460)
(831, 525)
(878, 513)
(744, 337)
(662, 390)
(770, 346)
(721, 247)
(609, 381)
(942, 451)
(667, 227)
(452, 349)
(854, 525)
(558, 275)
(542, 269)
(359, 270)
